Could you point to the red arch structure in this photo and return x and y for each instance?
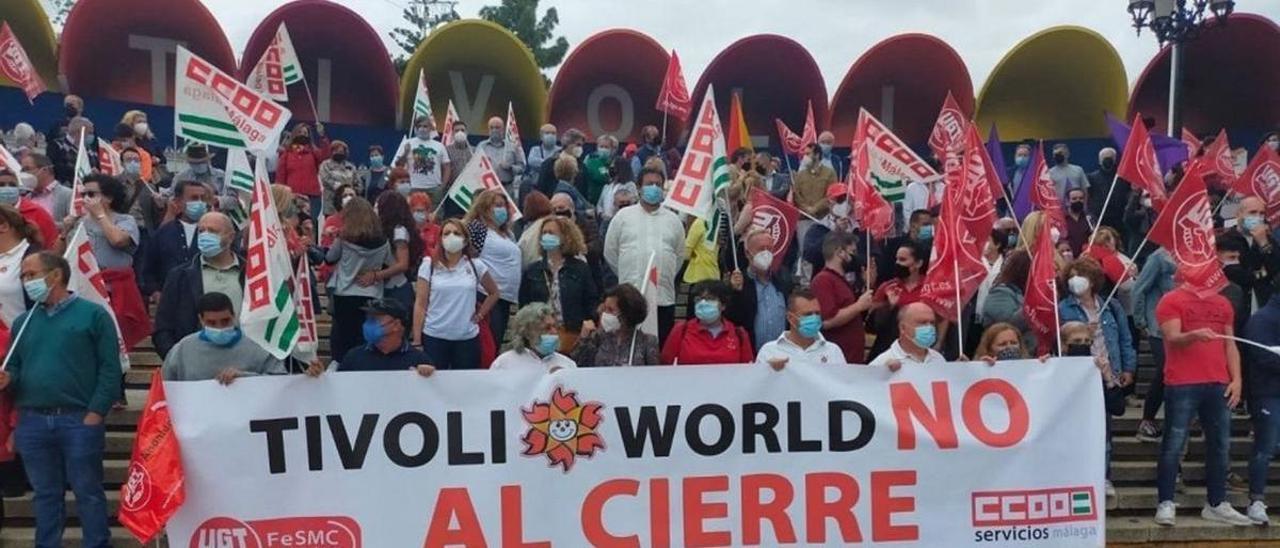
(777, 77)
(609, 84)
(116, 49)
(345, 63)
(903, 81)
(1230, 79)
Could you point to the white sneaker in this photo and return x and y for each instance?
(1224, 513)
(1166, 513)
(1258, 513)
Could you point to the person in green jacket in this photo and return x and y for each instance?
(64, 373)
(599, 166)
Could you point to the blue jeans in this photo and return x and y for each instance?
(1180, 404)
(1266, 430)
(59, 449)
(447, 354)
(1155, 393)
(317, 205)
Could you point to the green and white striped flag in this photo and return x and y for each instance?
(278, 67)
(1081, 502)
(289, 63)
(213, 108)
(694, 189)
(269, 314)
(421, 100)
(478, 177)
(239, 173)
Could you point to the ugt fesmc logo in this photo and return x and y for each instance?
(312, 532)
(1033, 506)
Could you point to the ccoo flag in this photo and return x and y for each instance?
(450, 117)
(278, 68)
(1262, 179)
(1185, 228)
(239, 173)
(421, 100)
(513, 129)
(213, 108)
(478, 176)
(308, 338)
(269, 313)
(674, 98)
(704, 170)
(892, 164)
(870, 209)
(155, 487)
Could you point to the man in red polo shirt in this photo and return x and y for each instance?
(1201, 377)
(842, 311)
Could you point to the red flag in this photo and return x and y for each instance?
(794, 144)
(1040, 304)
(1217, 164)
(778, 219)
(674, 98)
(109, 159)
(155, 488)
(16, 66)
(873, 213)
(1139, 165)
(1262, 179)
(956, 268)
(948, 131)
(1044, 195)
(1193, 143)
(1185, 228)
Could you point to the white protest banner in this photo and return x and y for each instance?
(704, 170)
(213, 108)
(946, 455)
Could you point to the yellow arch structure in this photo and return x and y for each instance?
(1055, 84)
(474, 49)
(31, 25)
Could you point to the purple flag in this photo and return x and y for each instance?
(1169, 151)
(997, 155)
(1022, 205)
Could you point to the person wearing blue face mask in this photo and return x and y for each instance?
(489, 222)
(1260, 258)
(537, 338)
(917, 334)
(646, 230)
(803, 342)
(219, 350)
(174, 243)
(386, 347)
(507, 157)
(562, 279)
(708, 338)
(1021, 161)
(547, 149)
(375, 180)
(11, 195)
(826, 145)
(200, 169)
(215, 269)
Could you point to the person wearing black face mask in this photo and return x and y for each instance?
(1100, 182)
(1079, 223)
(1066, 175)
(338, 171)
(911, 261)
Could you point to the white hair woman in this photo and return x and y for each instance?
(536, 339)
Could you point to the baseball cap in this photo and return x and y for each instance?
(837, 190)
(389, 307)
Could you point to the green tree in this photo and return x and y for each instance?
(421, 17)
(521, 18)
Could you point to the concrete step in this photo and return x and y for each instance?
(1144, 472)
(1143, 499)
(24, 537)
(1190, 529)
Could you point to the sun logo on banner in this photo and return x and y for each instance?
(563, 429)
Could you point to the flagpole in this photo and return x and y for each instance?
(1102, 213)
(14, 343)
(631, 356)
(1123, 274)
(959, 305)
(664, 127)
(1246, 341)
(733, 220)
(311, 98)
(1057, 320)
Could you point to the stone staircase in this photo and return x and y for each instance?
(1133, 472)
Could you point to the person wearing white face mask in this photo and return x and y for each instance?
(459, 151)
(759, 301)
(445, 316)
(337, 171)
(508, 158)
(618, 341)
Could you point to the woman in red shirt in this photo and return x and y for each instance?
(708, 339)
(424, 218)
(299, 166)
(911, 261)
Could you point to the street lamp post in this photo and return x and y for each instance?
(1177, 22)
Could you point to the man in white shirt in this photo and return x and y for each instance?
(926, 194)
(426, 159)
(643, 230)
(918, 330)
(803, 342)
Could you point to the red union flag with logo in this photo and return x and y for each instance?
(1139, 164)
(1041, 302)
(16, 66)
(873, 213)
(213, 108)
(1218, 165)
(674, 98)
(704, 170)
(1185, 228)
(1044, 194)
(155, 486)
(1193, 143)
(777, 219)
(948, 131)
(308, 339)
(1262, 179)
(108, 159)
(794, 144)
(956, 269)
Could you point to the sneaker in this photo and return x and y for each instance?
(1148, 432)
(1166, 513)
(1112, 501)
(1258, 513)
(1224, 513)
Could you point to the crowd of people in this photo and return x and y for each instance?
(551, 270)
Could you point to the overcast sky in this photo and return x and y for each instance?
(836, 32)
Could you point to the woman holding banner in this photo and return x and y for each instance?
(710, 338)
(537, 338)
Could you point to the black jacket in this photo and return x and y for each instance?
(1263, 366)
(167, 250)
(578, 293)
(1099, 186)
(176, 315)
(742, 308)
(1261, 267)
